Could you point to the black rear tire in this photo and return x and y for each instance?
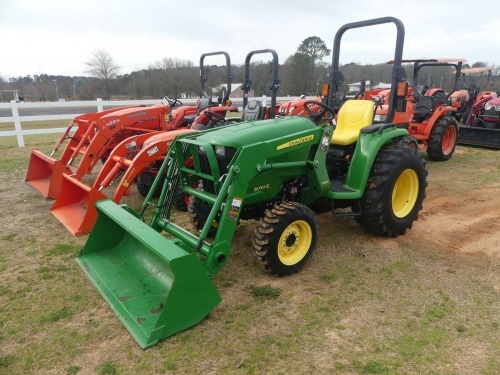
(285, 238)
(442, 139)
(394, 191)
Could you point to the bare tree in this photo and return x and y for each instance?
(102, 66)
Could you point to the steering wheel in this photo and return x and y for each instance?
(172, 101)
(204, 108)
(317, 115)
(415, 94)
(213, 120)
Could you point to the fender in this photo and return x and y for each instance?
(371, 140)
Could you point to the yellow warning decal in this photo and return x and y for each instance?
(296, 142)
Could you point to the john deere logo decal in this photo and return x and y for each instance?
(296, 142)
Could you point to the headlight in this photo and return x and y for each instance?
(487, 106)
(282, 111)
(379, 118)
(497, 107)
(220, 150)
(453, 100)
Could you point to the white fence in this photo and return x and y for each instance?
(99, 104)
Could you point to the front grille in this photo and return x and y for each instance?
(491, 113)
(223, 163)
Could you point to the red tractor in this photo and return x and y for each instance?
(481, 117)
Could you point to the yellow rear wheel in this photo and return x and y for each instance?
(394, 191)
(405, 193)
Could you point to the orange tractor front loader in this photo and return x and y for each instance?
(96, 134)
(131, 158)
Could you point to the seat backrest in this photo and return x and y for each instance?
(203, 102)
(353, 116)
(254, 110)
(425, 102)
(423, 107)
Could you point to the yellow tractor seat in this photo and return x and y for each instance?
(353, 116)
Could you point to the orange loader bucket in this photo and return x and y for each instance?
(74, 207)
(45, 174)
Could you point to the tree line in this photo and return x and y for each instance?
(301, 73)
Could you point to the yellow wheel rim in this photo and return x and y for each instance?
(405, 193)
(294, 242)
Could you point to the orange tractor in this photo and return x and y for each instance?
(97, 134)
(428, 114)
(138, 158)
(132, 157)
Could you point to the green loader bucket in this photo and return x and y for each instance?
(154, 286)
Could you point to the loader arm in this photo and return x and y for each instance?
(95, 136)
(75, 205)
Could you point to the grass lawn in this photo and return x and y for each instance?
(424, 303)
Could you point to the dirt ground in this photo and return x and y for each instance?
(463, 223)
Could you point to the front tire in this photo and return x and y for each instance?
(394, 191)
(181, 200)
(285, 238)
(198, 214)
(442, 139)
(144, 182)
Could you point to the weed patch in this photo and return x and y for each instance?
(57, 315)
(264, 291)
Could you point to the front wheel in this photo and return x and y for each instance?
(285, 238)
(442, 139)
(144, 182)
(198, 213)
(394, 191)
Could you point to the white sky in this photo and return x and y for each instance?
(57, 37)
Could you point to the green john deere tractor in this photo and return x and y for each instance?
(271, 170)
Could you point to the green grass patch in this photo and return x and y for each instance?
(73, 370)
(62, 249)
(264, 291)
(56, 316)
(9, 237)
(6, 361)
(107, 368)
(4, 290)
